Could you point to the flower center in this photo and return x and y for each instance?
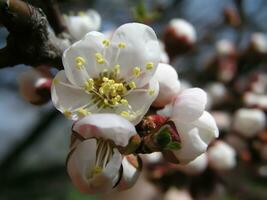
(104, 153)
(108, 89)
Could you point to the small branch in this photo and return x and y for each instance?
(29, 41)
(54, 16)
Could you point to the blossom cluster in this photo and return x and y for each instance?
(108, 87)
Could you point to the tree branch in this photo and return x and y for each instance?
(29, 41)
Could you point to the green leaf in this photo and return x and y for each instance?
(173, 146)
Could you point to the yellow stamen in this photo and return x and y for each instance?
(136, 71)
(132, 85)
(80, 62)
(82, 112)
(151, 92)
(89, 85)
(125, 114)
(67, 113)
(96, 170)
(149, 65)
(121, 45)
(106, 42)
(99, 58)
(124, 102)
(117, 68)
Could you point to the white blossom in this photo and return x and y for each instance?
(109, 76)
(196, 166)
(184, 29)
(94, 162)
(249, 122)
(195, 126)
(221, 156)
(225, 47)
(169, 84)
(259, 42)
(83, 23)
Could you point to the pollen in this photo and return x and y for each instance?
(125, 114)
(136, 71)
(67, 113)
(124, 102)
(149, 65)
(82, 112)
(117, 68)
(80, 62)
(106, 42)
(89, 85)
(121, 45)
(96, 170)
(151, 92)
(99, 58)
(132, 85)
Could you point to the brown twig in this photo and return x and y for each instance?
(29, 41)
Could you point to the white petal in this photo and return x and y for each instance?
(107, 126)
(249, 122)
(66, 96)
(79, 26)
(192, 144)
(85, 48)
(130, 172)
(166, 111)
(196, 166)
(141, 47)
(207, 127)
(140, 102)
(189, 105)
(105, 181)
(222, 156)
(80, 162)
(169, 84)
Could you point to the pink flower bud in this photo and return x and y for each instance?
(35, 87)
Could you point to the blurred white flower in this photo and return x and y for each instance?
(196, 127)
(249, 122)
(154, 157)
(184, 30)
(175, 194)
(169, 85)
(221, 156)
(216, 93)
(83, 23)
(225, 47)
(196, 166)
(94, 163)
(35, 86)
(223, 120)
(109, 76)
(254, 99)
(259, 42)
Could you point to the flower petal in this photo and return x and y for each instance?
(80, 163)
(192, 144)
(207, 127)
(169, 84)
(140, 101)
(107, 126)
(66, 96)
(141, 48)
(189, 105)
(86, 50)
